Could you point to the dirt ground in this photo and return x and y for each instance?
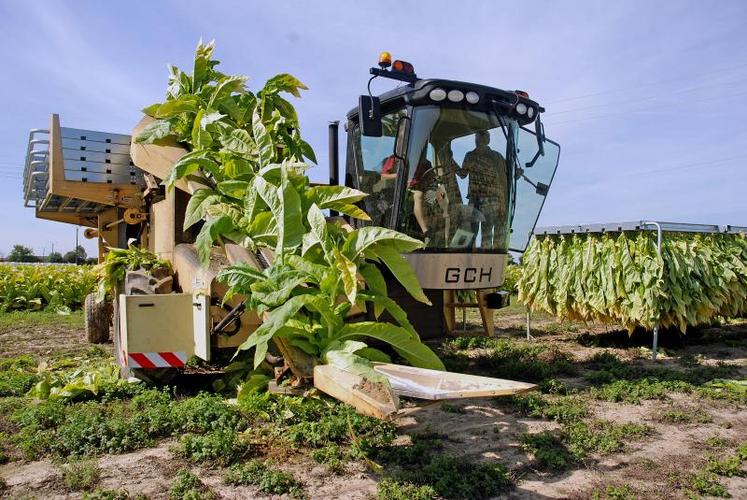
(653, 466)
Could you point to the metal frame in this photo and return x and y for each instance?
(643, 225)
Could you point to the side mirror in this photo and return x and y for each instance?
(539, 130)
(369, 114)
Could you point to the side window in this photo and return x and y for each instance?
(377, 169)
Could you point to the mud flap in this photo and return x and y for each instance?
(201, 324)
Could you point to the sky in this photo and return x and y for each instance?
(645, 98)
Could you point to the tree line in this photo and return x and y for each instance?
(23, 253)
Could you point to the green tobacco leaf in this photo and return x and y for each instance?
(274, 323)
(201, 138)
(353, 363)
(254, 384)
(323, 195)
(394, 309)
(318, 233)
(401, 270)
(228, 86)
(202, 64)
(187, 165)
(196, 206)
(374, 355)
(348, 272)
(239, 278)
(210, 232)
(357, 242)
(154, 131)
(263, 140)
(233, 188)
(414, 351)
(376, 283)
(184, 104)
(349, 210)
(238, 141)
(284, 83)
(151, 110)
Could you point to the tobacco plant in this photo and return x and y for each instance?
(246, 151)
(620, 279)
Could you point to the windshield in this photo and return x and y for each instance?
(458, 192)
(469, 181)
(532, 183)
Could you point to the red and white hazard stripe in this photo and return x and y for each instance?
(156, 359)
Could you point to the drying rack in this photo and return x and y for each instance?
(660, 227)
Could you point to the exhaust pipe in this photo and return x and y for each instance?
(334, 158)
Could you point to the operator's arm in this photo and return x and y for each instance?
(463, 171)
(417, 201)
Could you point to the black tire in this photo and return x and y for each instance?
(97, 320)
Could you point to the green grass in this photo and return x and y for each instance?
(187, 486)
(389, 489)
(676, 416)
(623, 492)
(80, 475)
(16, 320)
(422, 465)
(266, 477)
(220, 447)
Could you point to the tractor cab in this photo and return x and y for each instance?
(464, 167)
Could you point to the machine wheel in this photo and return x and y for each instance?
(97, 319)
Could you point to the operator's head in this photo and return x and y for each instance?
(482, 138)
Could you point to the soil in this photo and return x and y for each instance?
(480, 429)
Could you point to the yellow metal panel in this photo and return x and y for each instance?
(157, 323)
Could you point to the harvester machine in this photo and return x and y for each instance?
(463, 167)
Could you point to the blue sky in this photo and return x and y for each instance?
(647, 99)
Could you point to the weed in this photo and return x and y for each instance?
(80, 475)
(715, 442)
(187, 486)
(553, 386)
(634, 391)
(683, 416)
(17, 375)
(266, 478)
(562, 409)
(388, 489)
(455, 477)
(101, 494)
(206, 412)
(449, 476)
(449, 408)
(623, 492)
(222, 447)
(331, 456)
(3, 484)
(727, 467)
(601, 436)
(707, 483)
(548, 449)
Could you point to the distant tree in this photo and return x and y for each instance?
(22, 253)
(55, 257)
(78, 255)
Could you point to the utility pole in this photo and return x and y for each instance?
(76, 244)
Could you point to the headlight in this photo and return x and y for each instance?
(472, 97)
(521, 108)
(530, 112)
(438, 95)
(456, 95)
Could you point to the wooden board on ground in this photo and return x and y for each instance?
(375, 400)
(433, 384)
